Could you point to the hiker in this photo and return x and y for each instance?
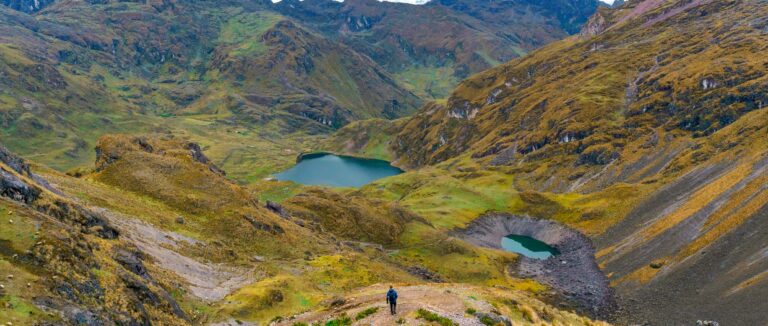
(392, 300)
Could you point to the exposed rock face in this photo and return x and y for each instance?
(132, 261)
(197, 154)
(13, 187)
(14, 162)
(496, 319)
(573, 273)
(594, 26)
(20, 184)
(425, 274)
(271, 228)
(277, 208)
(18, 165)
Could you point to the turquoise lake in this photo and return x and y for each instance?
(528, 247)
(337, 171)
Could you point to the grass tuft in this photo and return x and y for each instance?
(367, 312)
(435, 318)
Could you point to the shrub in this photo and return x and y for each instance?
(343, 320)
(366, 313)
(487, 320)
(433, 317)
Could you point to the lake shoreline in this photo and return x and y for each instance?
(574, 277)
(328, 169)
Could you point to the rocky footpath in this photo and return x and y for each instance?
(573, 275)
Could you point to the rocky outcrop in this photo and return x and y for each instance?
(111, 148)
(573, 273)
(425, 274)
(13, 187)
(594, 26)
(277, 208)
(20, 184)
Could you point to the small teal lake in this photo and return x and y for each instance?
(337, 171)
(528, 246)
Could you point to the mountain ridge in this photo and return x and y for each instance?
(80, 68)
(676, 136)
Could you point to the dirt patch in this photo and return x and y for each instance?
(210, 282)
(574, 276)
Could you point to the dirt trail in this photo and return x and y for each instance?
(446, 301)
(210, 282)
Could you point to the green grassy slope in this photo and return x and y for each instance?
(77, 70)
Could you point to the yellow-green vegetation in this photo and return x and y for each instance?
(234, 226)
(366, 138)
(430, 82)
(243, 32)
(575, 132)
(209, 73)
(343, 320)
(16, 301)
(451, 196)
(367, 312)
(19, 231)
(350, 216)
(581, 103)
(286, 294)
(69, 253)
(434, 318)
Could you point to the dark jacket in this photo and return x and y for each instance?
(391, 296)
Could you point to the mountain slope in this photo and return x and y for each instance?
(422, 45)
(670, 87)
(156, 235)
(218, 71)
(646, 132)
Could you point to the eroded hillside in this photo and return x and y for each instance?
(648, 132)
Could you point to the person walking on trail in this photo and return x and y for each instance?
(392, 300)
